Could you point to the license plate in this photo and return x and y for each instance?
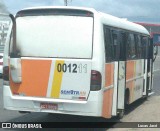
(50, 106)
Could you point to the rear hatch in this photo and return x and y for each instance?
(55, 49)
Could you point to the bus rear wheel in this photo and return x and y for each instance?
(121, 113)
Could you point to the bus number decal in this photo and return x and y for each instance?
(59, 67)
(72, 68)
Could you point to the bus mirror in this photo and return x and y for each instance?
(155, 52)
(14, 32)
(155, 48)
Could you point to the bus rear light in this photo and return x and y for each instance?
(82, 98)
(96, 80)
(6, 73)
(15, 93)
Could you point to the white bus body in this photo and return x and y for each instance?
(56, 63)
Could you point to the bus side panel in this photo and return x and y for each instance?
(138, 91)
(134, 78)
(130, 86)
(35, 78)
(108, 92)
(130, 72)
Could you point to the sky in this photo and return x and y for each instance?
(133, 10)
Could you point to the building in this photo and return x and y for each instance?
(4, 26)
(154, 30)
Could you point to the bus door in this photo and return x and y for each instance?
(150, 67)
(119, 72)
(147, 66)
(152, 53)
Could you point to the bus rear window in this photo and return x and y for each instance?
(55, 36)
(67, 12)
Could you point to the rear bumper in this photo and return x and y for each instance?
(92, 107)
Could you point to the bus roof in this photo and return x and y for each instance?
(60, 7)
(122, 23)
(104, 18)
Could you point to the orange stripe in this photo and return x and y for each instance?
(130, 73)
(108, 94)
(130, 85)
(109, 73)
(35, 76)
(107, 103)
(130, 70)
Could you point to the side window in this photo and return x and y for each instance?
(122, 36)
(116, 44)
(109, 51)
(131, 48)
(138, 46)
(144, 46)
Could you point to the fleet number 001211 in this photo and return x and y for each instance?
(72, 68)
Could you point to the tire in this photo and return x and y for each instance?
(121, 113)
(24, 112)
(126, 101)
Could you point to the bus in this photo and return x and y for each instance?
(77, 61)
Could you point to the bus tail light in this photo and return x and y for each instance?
(96, 80)
(6, 73)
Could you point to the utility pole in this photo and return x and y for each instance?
(65, 2)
